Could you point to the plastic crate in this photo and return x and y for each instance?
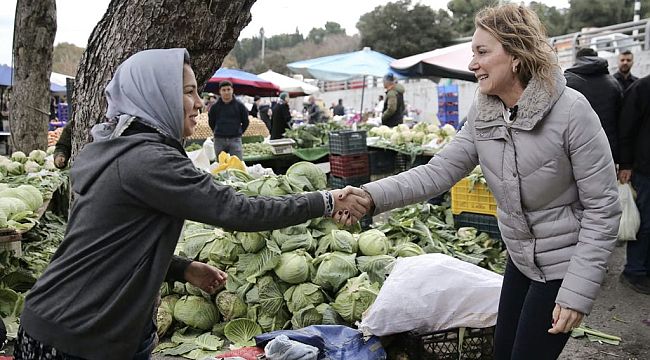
(349, 165)
(444, 345)
(402, 162)
(348, 142)
(483, 223)
(381, 162)
(62, 112)
(337, 182)
(476, 199)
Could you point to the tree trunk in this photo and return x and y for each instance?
(207, 28)
(34, 30)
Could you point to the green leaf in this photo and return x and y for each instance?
(241, 332)
(181, 349)
(209, 342)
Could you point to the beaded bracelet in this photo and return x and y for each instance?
(329, 203)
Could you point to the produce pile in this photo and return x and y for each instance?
(257, 149)
(53, 136)
(404, 139)
(256, 127)
(202, 130)
(19, 273)
(313, 135)
(312, 273)
(25, 181)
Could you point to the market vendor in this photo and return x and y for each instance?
(134, 188)
(63, 147)
(393, 111)
(281, 117)
(228, 119)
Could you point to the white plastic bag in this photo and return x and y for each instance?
(199, 159)
(433, 292)
(283, 348)
(208, 147)
(630, 219)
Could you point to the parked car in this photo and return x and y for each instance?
(613, 44)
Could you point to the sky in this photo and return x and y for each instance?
(77, 18)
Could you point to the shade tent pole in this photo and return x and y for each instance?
(363, 89)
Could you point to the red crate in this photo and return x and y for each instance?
(349, 165)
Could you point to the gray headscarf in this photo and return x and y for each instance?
(148, 85)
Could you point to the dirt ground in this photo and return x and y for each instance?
(618, 311)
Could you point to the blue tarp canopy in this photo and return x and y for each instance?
(346, 66)
(6, 72)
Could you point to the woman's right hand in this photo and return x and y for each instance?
(351, 204)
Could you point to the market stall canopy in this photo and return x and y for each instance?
(346, 66)
(450, 62)
(292, 86)
(57, 81)
(244, 83)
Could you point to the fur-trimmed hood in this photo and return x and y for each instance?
(535, 102)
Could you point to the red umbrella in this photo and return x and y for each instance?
(243, 83)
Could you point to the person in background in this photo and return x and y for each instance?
(634, 166)
(63, 147)
(265, 114)
(393, 111)
(339, 109)
(53, 108)
(281, 117)
(228, 119)
(624, 73)
(590, 76)
(255, 109)
(212, 99)
(135, 187)
(314, 112)
(547, 162)
(379, 107)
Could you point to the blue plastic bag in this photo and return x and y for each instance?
(335, 342)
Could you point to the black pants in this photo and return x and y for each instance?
(525, 315)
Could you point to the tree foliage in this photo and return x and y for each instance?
(400, 29)
(553, 19)
(597, 13)
(464, 11)
(65, 58)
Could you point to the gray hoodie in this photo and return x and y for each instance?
(133, 191)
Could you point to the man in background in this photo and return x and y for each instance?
(624, 74)
(314, 112)
(634, 166)
(393, 112)
(339, 109)
(228, 119)
(590, 76)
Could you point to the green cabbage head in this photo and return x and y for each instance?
(373, 242)
(230, 305)
(294, 267)
(196, 312)
(355, 297)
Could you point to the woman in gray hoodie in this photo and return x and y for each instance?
(134, 187)
(547, 161)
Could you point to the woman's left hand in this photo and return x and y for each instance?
(565, 320)
(205, 277)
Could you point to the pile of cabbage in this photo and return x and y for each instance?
(19, 163)
(313, 273)
(421, 137)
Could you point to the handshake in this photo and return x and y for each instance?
(351, 204)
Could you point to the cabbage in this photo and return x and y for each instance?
(50, 150)
(38, 156)
(343, 241)
(19, 156)
(165, 315)
(274, 321)
(194, 290)
(267, 294)
(334, 269)
(408, 249)
(230, 305)
(241, 332)
(449, 130)
(269, 186)
(306, 316)
(307, 176)
(15, 168)
(294, 267)
(467, 233)
(373, 242)
(252, 242)
(302, 295)
(225, 249)
(377, 266)
(196, 312)
(355, 297)
(31, 167)
(294, 237)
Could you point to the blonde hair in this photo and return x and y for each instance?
(523, 36)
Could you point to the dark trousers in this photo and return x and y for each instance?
(525, 315)
(638, 251)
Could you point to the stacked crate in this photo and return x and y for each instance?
(475, 206)
(448, 105)
(349, 163)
